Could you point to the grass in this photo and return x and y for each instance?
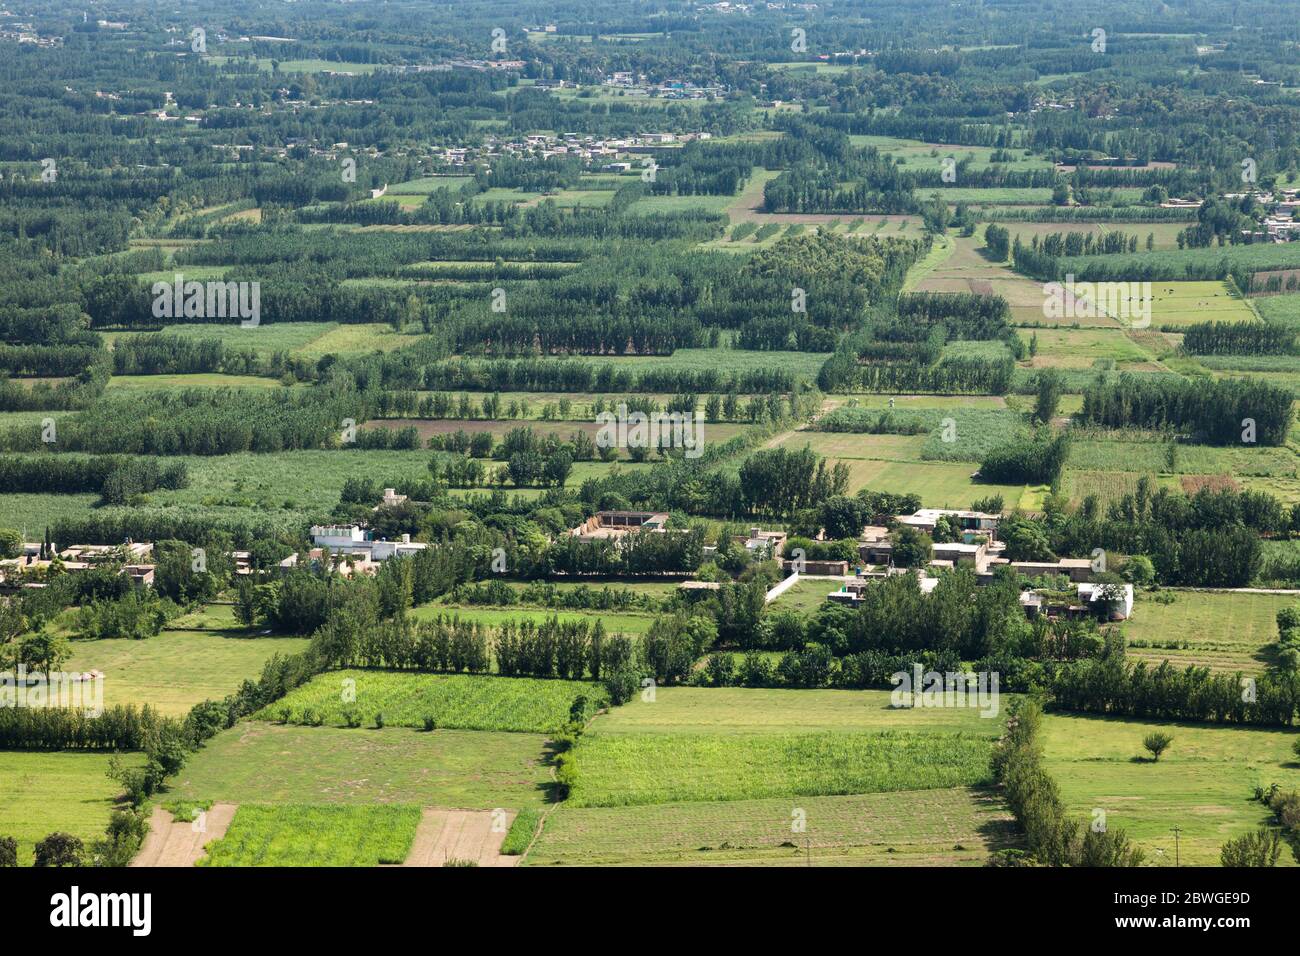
(896, 463)
(803, 365)
(323, 835)
(126, 383)
(1203, 783)
(257, 762)
(745, 711)
(189, 662)
(456, 701)
(521, 832)
(43, 793)
(1084, 348)
(633, 769)
(1146, 452)
(1220, 630)
(949, 827)
(806, 595)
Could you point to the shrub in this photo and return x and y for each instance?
(430, 724)
(60, 849)
(621, 685)
(1157, 742)
(379, 720)
(1260, 848)
(8, 851)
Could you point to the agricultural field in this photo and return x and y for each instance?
(806, 595)
(259, 762)
(190, 661)
(1220, 630)
(316, 835)
(951, 827)
(44, 792)
(453, 701)
(616, 622)
(1202, 784)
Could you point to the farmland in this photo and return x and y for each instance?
(1203, 784)
(266, 763)
(1206, 629)
(322, 835)
(44, 792)
(312, 323)
(454, 701)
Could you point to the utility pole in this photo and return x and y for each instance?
(1177, 830)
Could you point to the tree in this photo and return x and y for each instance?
(1049, 395)
(60, 849)
(558, 467)
(44, 651)
(1260, 848)
(912, 548)
(1157, 742)
(246, 603)
(11, 544)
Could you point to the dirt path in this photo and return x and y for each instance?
(172, 842)
(459, 835)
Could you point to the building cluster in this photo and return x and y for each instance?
(38, 559)
(978, 549)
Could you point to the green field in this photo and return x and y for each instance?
(1221, 630)
(316, 835)
(455, 701)
(128, 383)
(44, 793)
(307, 481)
(952, 827)
(806, 595)
(628, 769)
(1133, 450)
(1203, 783)
(258, 762)
(739, 710)
(193, 660)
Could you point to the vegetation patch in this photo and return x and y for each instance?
(454, 701)
(631, 769)
(316, 835)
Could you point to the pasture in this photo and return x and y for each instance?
(1203, 783)
(43, 793)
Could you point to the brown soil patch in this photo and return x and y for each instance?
(172, 842)
(461, 835)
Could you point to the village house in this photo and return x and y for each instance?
(606, 525)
